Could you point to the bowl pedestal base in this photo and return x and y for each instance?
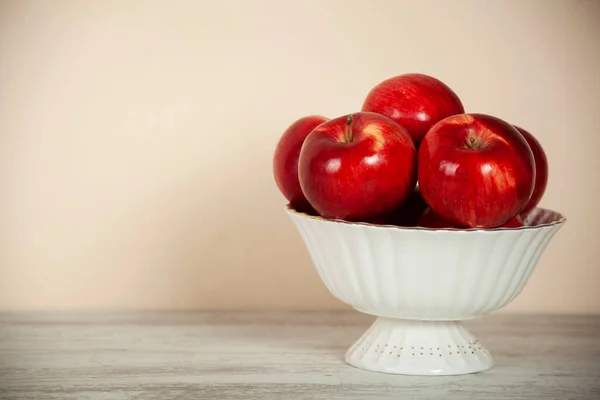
(414, 347)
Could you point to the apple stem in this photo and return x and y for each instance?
(471, 143)
(349, 137)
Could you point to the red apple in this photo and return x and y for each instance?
(541, 169)
(357, 167)
(415, 101)
(515, 222)
(285, 160)
(475, 170)
(431, 220)
(407, 214)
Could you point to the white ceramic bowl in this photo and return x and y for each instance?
(420, 282)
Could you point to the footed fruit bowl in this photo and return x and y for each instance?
(421, 283)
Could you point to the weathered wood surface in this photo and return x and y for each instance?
(276, 355)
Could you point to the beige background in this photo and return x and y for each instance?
(136, 137)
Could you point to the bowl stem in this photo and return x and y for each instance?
(414, 347)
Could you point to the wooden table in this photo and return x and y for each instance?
(276, 355)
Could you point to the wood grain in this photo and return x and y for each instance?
(276, 355)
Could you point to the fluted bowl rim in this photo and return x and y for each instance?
(557, 219)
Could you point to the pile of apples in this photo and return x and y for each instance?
(412, 157)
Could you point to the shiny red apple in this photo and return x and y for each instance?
(475, 170)
(515, 222)
(415, 101)
(429, 219)
(357, 167)
(285, 160)
(407, 214)
(541, 169)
